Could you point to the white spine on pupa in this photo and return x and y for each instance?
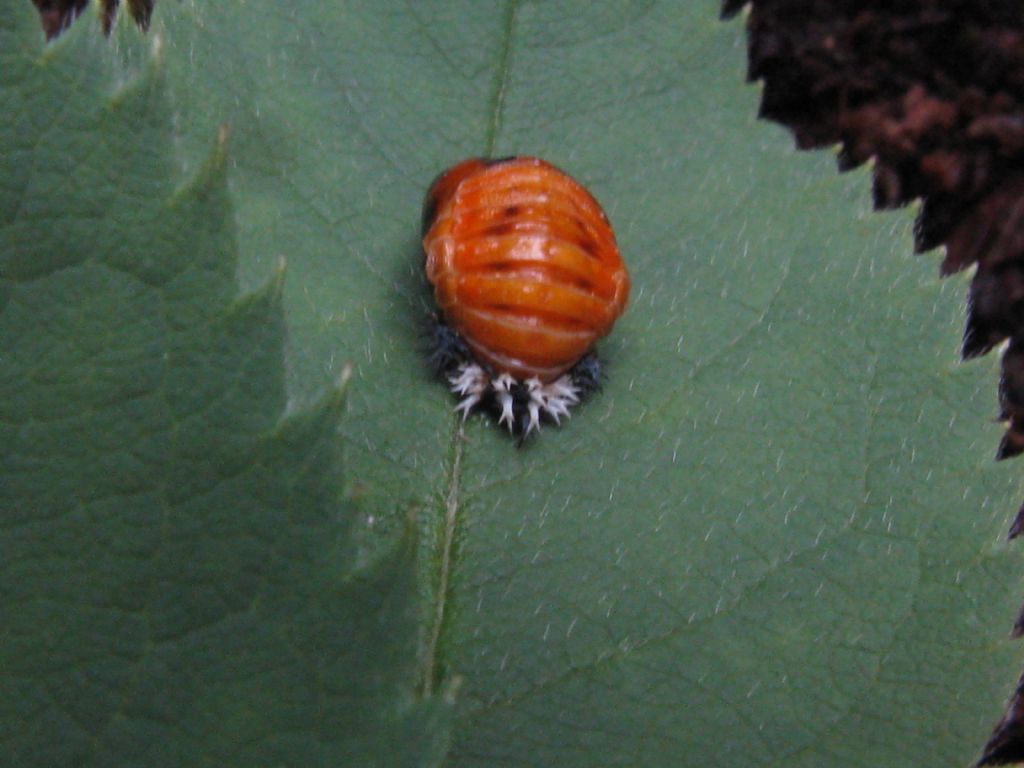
(503, 389)
(471, 382)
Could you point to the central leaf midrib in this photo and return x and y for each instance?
(432, 671)
(497, 99)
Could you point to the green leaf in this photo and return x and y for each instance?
(177, 584)
(774, 538)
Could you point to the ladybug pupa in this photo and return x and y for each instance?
(527, 277)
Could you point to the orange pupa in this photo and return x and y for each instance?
(527, 276)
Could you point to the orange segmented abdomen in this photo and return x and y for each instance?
(524, 264)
